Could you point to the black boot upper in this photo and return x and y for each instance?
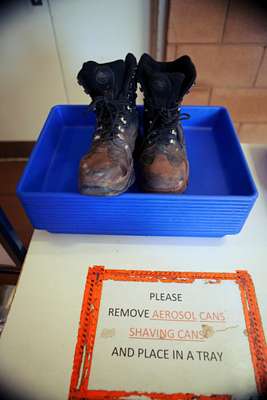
(112, 87)
(164, 85)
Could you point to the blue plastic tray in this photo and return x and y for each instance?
(219, 197)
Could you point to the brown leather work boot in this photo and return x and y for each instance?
(108, 167)
(163, 160)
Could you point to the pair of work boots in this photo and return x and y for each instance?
(108, 169)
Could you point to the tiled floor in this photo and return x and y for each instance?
(10, 172)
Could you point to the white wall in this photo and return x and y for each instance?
(100, 30)
(43, 47)
(30, 76)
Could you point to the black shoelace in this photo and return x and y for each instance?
(108, 112)
(163, 128)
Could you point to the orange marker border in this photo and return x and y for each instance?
(89, 318)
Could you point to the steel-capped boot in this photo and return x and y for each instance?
(108, 167)
(164, 165)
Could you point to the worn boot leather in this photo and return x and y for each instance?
(108, 167)
(163, 161)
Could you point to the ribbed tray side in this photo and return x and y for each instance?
(136, 217)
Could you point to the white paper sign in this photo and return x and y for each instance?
(172, 338)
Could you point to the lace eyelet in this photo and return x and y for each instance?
(119, 136)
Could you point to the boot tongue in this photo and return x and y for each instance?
(165, 88)
(102, 79)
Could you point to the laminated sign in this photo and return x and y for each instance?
(169, 335)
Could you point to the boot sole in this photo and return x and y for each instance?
(104, 191)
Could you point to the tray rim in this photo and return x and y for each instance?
(22, 193)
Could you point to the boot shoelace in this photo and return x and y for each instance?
(109, 113)
(166, 132)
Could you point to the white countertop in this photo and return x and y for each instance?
(38, 342)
